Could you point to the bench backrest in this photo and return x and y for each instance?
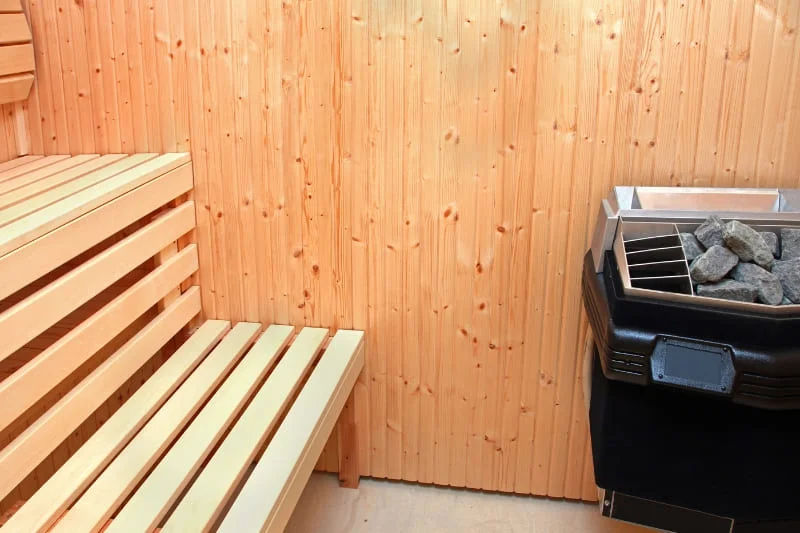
(96, 279)
(16, 53)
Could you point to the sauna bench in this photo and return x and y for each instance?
(121, 409)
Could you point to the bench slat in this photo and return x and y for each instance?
(37, 224)
(30, 317)
(117, 481)
(24, 387)
(33, 183)
(49, 251)
(31, 166)
(16, 58)
(272, 490)
(60, 491)
(15, 87)
(158, 492)
(29, 178)
(20, 457)
(199, 509)
(10, 6)
(32, 205)
(16, 162)
(14, 28)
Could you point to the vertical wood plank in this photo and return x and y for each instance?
(447, 399)
(707, 147)
(245, 204)
(430, 148)
(411, 164)
(149, 78)
(138, 89)
(378, 341)
(356, 167)
(776, 100)
(393, 253)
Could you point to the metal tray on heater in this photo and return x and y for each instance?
(652, 263)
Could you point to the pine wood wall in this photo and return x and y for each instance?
(427, 170)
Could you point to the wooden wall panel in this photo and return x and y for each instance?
(427, 170)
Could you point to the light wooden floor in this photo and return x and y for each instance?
(393, 507)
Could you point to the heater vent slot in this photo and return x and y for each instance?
(654, 258)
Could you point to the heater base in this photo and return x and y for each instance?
(667, 517)
(694, 451)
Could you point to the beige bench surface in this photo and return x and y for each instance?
(45, 193)
(178, 451)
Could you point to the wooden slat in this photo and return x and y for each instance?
(270, 493)
(21, 187)
(44, 254)
(27, 319)
(15, 87)
(34, 183)
(16, 58)
(13, 163)
(28, 228)
(25, 386)
(23, 454)
(69, 188)
(74, 476)
(202, 504)
(14, 28)
(31, 166)
(10, 6)
(117, 481)
(154, 497)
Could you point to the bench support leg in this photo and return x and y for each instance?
(348, 445)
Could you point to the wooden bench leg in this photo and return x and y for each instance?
(348, 445)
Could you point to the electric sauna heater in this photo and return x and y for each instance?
(693, 296)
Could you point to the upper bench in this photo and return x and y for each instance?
(56, 207)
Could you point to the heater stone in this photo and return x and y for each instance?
(729, 290)
(768, 285)
(691, 246)
(748, 244)
(772, 241)
(788, 272)
(790, 243)
(713, 265)
(710, 232)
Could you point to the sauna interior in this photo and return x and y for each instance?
(409, 185)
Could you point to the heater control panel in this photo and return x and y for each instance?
(693, 365)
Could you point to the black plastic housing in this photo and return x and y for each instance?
(705, 454)
(764, 349)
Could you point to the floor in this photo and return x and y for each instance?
(388, 507)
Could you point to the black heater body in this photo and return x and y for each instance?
(706, 449)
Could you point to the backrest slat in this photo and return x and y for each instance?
(30, 317)
(24, 387)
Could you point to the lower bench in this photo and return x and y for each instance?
(223, 436)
